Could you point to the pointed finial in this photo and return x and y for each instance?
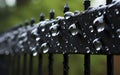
(32, 21)
(26, 23)
(66, 8)
(42, 17)
(52, 14)
(86, 4)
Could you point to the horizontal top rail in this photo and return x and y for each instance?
(94, 31)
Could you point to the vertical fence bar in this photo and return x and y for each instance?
(50, 65)
(86, 56)
(10, 63)
(24, 64)
(40, 58)
(50, 57)
(65, 56)
(13, 64)
(65, 64)
(18, 64)
(31, 54)
(110, 63)
(110, 58)
(86, 4)
(87, 64)
(108, 1)
(31, 64)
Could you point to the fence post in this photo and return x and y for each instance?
(86, 56)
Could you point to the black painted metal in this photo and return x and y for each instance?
(110, 58)
(76, 33)
(24, 69)
(18, 65)
(50, 65)
(87, 64)
(81, 41)
(40, 63)
(110, 65)
(31, 64)
(65, 64)
(108, 1)
(40, 56)
(86, 56)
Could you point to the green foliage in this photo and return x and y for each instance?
(15, 15)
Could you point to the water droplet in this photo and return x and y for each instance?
(71, 44)
(34, 30)
(99, 23)
(45, 47)
(60, 47)
(7, 52)
(118, 33)
(66, 42)
(35, 54)
(68, 14)
(107, 48)
(73, 29)
(99, 13)
(38, 38)
(66, 46)
(113, 45)
(43, 29)
(64, 22)
(74, 48)
(54, 30)
(59, 17)
(76, 51)
(84, 35)
(58, 44)
(77, 12)
(32, 48)
(117, 11)
(49, 35)
(22, 36)
(88, 49)
(97, 44)
(91, 29)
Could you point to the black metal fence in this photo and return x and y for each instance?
(94, 31)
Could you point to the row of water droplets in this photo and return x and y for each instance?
(98, 22)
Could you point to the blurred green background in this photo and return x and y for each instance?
(20, 10)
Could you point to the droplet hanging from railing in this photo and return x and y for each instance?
(97, 44)
(99, 23)
(73, 29)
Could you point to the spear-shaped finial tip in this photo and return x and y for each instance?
(32, 21)
(66, 8)
(52, 14)
(26, 22)
(42, 17)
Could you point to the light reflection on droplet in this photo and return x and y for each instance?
(118, 33)
(99, 23)
(68, 14)
(35, 54)
(37, 39)
(91, 29)
(97, 44)
(45, 47)
(43, 29)
(73, 29)
(54, 30)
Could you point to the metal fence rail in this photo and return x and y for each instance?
(94, 31)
